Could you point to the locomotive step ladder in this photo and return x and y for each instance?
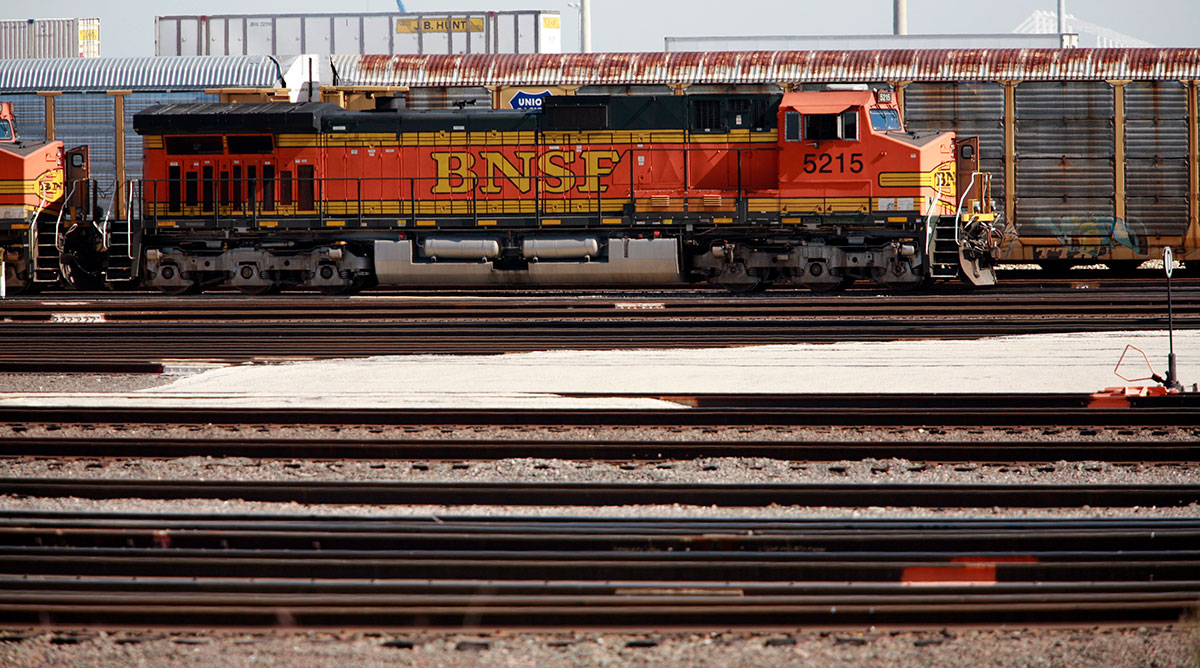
(119, 240)
(45, 252)
(944, 249)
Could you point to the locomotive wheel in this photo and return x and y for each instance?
(18, 283)
(824, 288)
(260, 290)
(923, 284)
(739, 281)
(181, 290)
(745, 288)
(353, 288)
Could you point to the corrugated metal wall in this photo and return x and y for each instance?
(1065, 157)
(136, 102)
(447, 97)
(30, 111)
(1156, 151)
(87, 118)
(972, 109)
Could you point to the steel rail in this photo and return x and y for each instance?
(322, 447)
(598, 494)
(118, 570)
(715, 410)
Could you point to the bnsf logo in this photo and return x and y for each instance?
(563, 171)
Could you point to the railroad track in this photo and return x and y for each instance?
(390, 492)
(133, 331)
(1145, 450)
(117, 570)
(694, 410)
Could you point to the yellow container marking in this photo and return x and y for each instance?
(897, 219)
(268, 223)
(551, 221)
(486, 223)
(612, 221)
(166, 223)
(722, 220)
(335, 223)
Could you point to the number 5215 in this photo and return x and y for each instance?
(825, 163)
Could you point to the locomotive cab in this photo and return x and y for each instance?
(846, 161)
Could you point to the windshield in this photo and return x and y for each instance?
(5, 131)
(883, 120)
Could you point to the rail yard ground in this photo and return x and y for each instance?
(1078, 363)
(1074, 362)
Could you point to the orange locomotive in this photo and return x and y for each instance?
(31, 189)
(814, 189)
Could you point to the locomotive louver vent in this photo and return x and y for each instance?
(706, 115)
(577, 118)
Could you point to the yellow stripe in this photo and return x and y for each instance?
(722, 220)
(611, 221)
(426, 223)
(268, 223)
(166, 223)
(906, 180)
(816, 205)
(485, 223)
(443, 138)
(551, 221)
(897, 219)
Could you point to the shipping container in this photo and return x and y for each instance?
(532, 31)
(50, 38)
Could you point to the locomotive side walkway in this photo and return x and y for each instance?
(1080, 362)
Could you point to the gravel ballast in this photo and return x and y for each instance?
(1169, 646)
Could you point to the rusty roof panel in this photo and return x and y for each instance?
(733, 67)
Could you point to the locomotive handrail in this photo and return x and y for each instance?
(58, 242)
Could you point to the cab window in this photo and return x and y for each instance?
(885, 120)
(6, 132)
(791, 126)
(824, 127)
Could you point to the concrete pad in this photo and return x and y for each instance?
(1036, 363)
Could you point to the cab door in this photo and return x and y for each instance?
(79, 173)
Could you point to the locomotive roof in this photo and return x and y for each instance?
(579, 112)
(232, 117)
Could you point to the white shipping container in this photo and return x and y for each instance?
(50, 38)
(532, 31)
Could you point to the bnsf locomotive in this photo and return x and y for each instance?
(813, 189)
(31, 189)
